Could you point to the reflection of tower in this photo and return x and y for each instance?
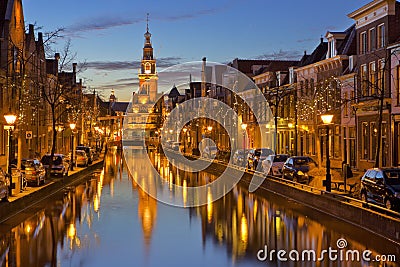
(148, 74)
(147, 212)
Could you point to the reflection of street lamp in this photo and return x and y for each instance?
(327, 120)
(244, 126)
(72, 126)
(10, 119)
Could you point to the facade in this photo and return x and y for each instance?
(273, 81)
(377, 26)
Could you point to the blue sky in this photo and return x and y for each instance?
(108, 35)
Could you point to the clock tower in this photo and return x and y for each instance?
(148, 74)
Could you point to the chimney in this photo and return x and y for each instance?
(74, 73)
(31, 28)
(203, 78)
(57, 56)
(74, 67)
(40, 38)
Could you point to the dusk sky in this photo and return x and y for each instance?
(109, 34)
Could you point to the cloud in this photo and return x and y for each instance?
(306, 40)
(282, 55)
(98, 24)
(118, 86)
(163, 62)
(106, 21)
(112, 65)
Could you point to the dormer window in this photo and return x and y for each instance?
(331, 48)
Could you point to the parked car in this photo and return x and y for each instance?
(81, 159)
(381, 186)
(210, 152)
(4, 186)
(88, 153)
(239, 158)
(34, 171)
(61, 164)
(256, 156)
(175, 146)
(297, 168)
(273, 164)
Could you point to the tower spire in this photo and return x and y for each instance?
(147, 24)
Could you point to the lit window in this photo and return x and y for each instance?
(147, 68)
(372, 73)
(364, 81)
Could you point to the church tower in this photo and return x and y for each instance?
(148, 74)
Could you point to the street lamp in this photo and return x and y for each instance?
(10, 119)
(72, 126)
(244, 126)
(327, 120)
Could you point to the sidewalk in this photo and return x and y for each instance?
(319, 175)
(31, 189)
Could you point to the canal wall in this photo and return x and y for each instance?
(9, 209)
(334, 205)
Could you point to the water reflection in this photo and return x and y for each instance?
(87, 224)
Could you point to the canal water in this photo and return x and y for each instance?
(109, 220)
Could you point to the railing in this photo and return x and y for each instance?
(334, 196)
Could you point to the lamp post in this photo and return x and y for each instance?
(72, 126)
(10, 120)
(96, 136)
(327, 120)
(184, 139)
(244, 126)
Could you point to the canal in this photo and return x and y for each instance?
(109, 220)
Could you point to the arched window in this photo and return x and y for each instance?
(147, 68)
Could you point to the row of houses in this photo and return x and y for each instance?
(41, 91)
(352, 74)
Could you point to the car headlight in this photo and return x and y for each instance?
(300, 173)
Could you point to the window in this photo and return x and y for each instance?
(306, 87)
(331, 49)
(372, 81)
(312, 85)
(398, 84)
(363, 43)
(374, 134)
(147, 68)
(381, 36)
(372, 39)
(301, 88)
(363, 77)
(365, 141)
